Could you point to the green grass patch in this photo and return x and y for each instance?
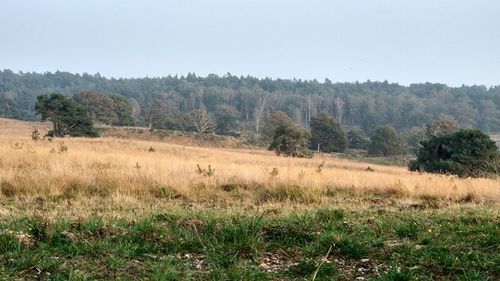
(436, 244)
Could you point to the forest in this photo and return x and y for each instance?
(243, 104)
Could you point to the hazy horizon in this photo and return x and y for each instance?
(248, 75)
(449, 42)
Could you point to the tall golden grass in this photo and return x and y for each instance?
(127, 168)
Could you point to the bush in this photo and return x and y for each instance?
(466, 153)
(7, 189)
(291, 140)
(35, 134)
(387, 142)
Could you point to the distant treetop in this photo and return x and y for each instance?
(248, 102)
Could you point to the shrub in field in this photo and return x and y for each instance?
(466, 153)
(291, 140)
(35, 134)
(7, 189)
(205, 172)
(63, 147)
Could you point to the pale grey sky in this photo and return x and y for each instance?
(448, 41)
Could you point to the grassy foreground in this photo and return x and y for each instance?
(383, 242)
(121, 209)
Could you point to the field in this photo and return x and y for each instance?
(128, 209)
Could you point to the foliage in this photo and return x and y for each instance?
(223, 244)
(327, 134)
(124, 110)
(387, 142)
(291, 140)
(357, 139)
(156, 117)
(100, 107)
(208, 172)
(361, 104)
(35, 134)
(63, 147)
(67, 116)
(466, 153)
(180, 122)
(276, 119)
(226, 118)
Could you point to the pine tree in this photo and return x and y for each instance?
(67, 116)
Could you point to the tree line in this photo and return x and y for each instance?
(440, 146)
(244, 104)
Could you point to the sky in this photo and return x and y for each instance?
(403, 41)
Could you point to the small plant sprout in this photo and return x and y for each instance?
(209, 172)
(137, 166)
(35, 134)
(273, 174)
(63, 147)
(320, 167)
(151, 149)
(18, 145)
(302, 174)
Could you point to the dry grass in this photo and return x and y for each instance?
(118, 168)
(109, 208)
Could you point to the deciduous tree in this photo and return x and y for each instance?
(387, 142)
(101, 107)
(357, 139)
(124, 110)
(226, 118)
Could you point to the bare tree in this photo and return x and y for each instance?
(444, 125)
(203, 122)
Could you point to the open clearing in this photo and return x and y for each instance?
(124, 209)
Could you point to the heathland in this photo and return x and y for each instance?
(123, 208)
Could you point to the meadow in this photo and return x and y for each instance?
(129, 209)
